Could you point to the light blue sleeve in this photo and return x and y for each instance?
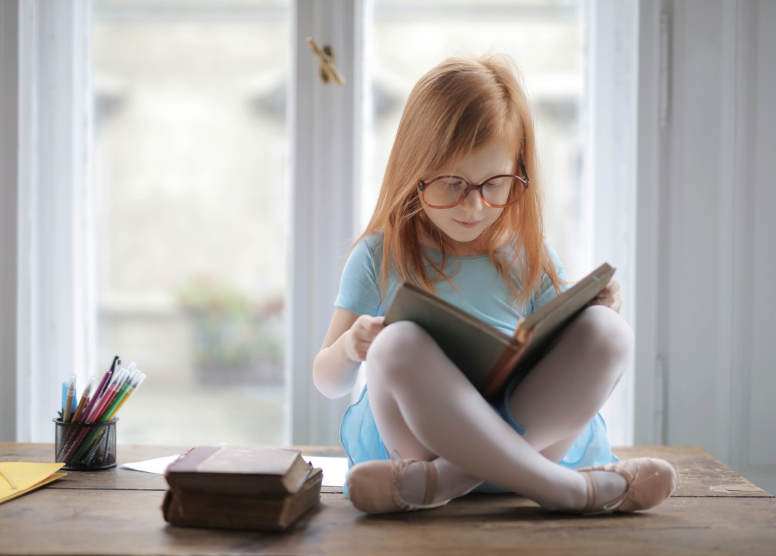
(359, 290)
(547, 289)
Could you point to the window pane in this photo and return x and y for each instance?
(544, 37)
(190, 174)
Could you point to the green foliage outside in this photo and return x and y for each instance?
(233, 331)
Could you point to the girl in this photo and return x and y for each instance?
(459, 214)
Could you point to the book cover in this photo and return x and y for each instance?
(239, 470)
(487, 356)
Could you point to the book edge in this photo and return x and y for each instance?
(543, 312)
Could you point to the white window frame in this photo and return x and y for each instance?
(52, 303)
(653, 111)
(49, 284)
(47, 279)
(610, 172)
(324, 201)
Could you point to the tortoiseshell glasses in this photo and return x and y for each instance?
(449, 191)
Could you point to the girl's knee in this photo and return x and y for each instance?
(606, 332)
(396, 347)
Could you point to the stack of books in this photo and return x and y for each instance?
(246, 487)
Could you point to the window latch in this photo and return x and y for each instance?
(328, 70)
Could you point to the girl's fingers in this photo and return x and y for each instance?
(610, 290)
(605, 301)
(376, 325)
(367, 336)
(609, 297)
(361, 345)
(362, 348)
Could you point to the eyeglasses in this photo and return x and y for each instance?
(496, 192)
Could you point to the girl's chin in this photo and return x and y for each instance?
(464, 235)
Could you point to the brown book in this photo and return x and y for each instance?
(225, 511)
(487, 356)
(241, 470)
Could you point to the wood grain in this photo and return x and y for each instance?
(118, 512)
(700, 474)
(57, 521)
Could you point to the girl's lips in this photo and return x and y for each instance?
(468, 224)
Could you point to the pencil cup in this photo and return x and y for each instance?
(85, 446)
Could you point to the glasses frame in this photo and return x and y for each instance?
(423, 185)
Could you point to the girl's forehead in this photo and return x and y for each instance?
(490, 159)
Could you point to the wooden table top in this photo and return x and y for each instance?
(117, 511)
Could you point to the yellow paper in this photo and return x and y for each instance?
(26, 476)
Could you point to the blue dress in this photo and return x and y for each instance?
(479, 290)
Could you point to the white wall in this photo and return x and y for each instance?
(704, 359)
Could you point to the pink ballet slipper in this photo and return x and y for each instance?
(649, 482)
(373, 486)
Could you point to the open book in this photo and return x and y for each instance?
(487, 356)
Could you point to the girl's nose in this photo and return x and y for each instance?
(472, 201)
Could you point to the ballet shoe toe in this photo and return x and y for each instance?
(370, 488)
(654, 481)
(650, 481)
(373, 486)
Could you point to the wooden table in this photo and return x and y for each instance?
(714, 510)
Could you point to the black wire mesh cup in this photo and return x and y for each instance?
(85, 446)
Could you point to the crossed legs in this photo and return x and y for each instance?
(426, 409)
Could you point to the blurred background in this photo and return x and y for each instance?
(177, 186)
(190, 173)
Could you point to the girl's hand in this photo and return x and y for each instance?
(609, 297)
(360, 336)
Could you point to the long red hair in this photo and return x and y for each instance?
(459, 106)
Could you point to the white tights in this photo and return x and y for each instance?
(426, 409)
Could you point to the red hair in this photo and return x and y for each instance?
(459, 106)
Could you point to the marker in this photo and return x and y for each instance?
(123, 389)
(70, 396)
(110, 393)
(96, 395)
(114, 366)
(138, 381)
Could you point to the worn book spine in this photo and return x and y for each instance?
(201, 509)
(498, 375)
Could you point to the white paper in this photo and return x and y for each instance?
(334, 469)
(158, 465)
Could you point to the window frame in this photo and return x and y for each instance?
(54, 306)
(52, 295)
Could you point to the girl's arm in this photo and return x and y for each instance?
(335, 368)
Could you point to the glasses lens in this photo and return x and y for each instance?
(496, 190)
(445, 191)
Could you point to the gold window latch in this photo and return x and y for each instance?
(326, 63)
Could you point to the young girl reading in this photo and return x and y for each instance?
(459, 214)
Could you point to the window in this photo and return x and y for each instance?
(190, 151)
(546, 40)
(189, 166)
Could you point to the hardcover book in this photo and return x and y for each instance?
(487, 356)
(239, 470)
(194, 508)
